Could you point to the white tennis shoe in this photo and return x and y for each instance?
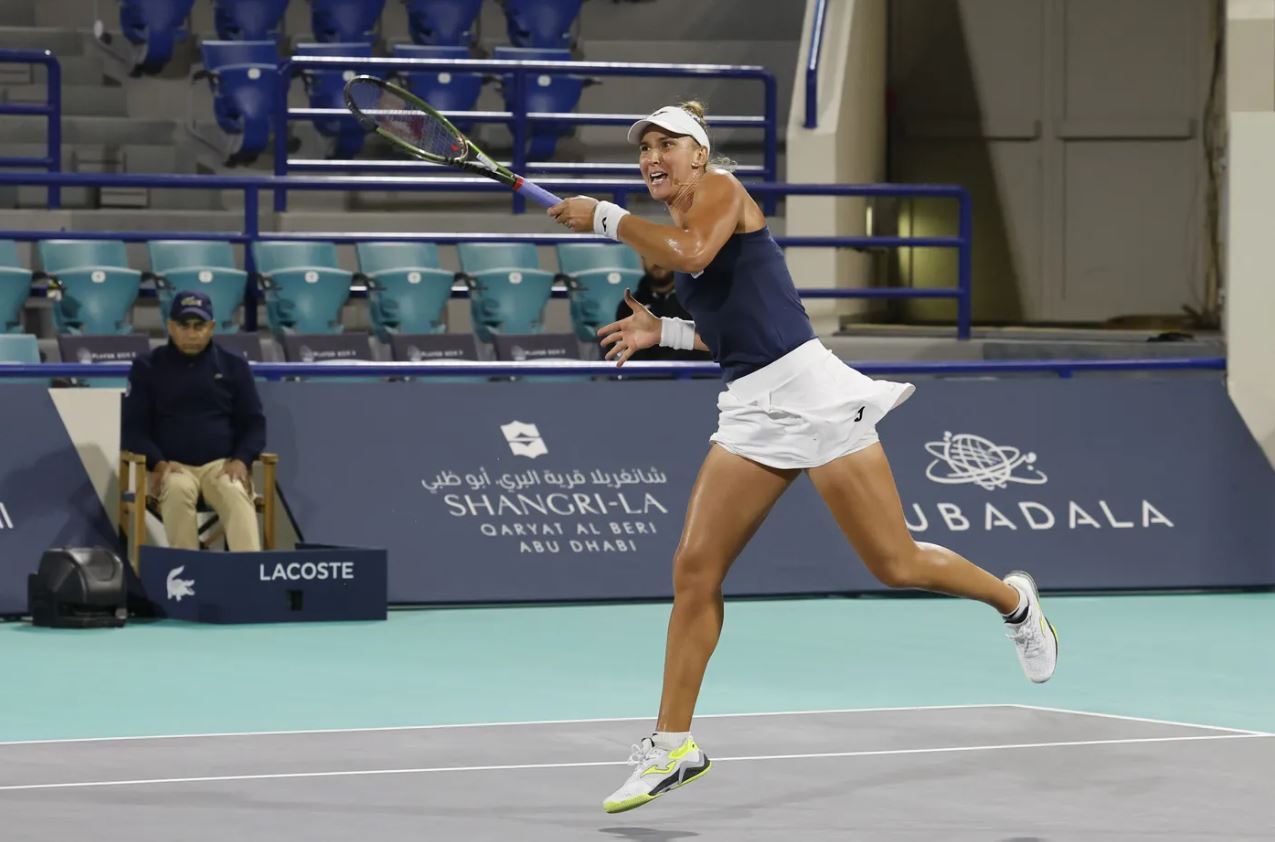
(1034, 638)
(658, 771)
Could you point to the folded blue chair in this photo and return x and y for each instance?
(442, 23)
(541, 23)
(345, 21)
(153, 27)
(243, 75)
(446, 90)
(248, 20)
(326, 89)
(545, 93)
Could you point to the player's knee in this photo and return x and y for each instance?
(901, 568)
(696, 574)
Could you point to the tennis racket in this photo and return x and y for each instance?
(414, 127)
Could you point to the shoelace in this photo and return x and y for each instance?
(1028, 635)
(642, 752)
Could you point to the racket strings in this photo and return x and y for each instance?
(413, 126)
(417, 128)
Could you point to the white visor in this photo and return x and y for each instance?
(672, 119)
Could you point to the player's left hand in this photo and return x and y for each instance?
(576, 213)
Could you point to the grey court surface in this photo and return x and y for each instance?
(1003, 772)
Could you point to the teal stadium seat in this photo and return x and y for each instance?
(204, 265)
(508, 290)
(15, 288)
(95, 288)
(597, 275)
(407, 290)
(19, 348)
(581, 257)
(304, 286)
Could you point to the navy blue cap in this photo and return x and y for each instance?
(188, 305)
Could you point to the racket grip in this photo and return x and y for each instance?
(537, 194)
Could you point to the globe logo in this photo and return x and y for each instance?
(964, 458)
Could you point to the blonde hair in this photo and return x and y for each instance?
(696, 109)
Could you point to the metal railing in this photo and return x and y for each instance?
(618, 188)
(812, 65)
(537, 368)
(52, 110)
(520, 120)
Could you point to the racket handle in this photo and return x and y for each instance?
(536, 193)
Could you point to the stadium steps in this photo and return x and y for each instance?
(77, 100)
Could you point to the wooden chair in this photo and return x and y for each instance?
(132, 517)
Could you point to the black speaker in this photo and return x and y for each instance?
(78, 588)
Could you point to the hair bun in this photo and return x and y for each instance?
(695, 108)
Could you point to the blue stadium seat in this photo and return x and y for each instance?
(95, 288)
(541, 23)
(243, 75)
(556, 93)
(407, 290)
(326, 90)
(153, 27)
(204, 265)
(248, 20)
(508, 290)
(442, 23)
(15, 288)
(445, 90)
(344, 21)
(304, 286)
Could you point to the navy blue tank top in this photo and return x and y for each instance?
(745, 305)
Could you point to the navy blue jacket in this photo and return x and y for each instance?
(192, 410)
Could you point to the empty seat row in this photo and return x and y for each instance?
(305, 288)
(153, 26)
(244, 79)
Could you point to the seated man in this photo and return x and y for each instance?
(192, 410)
(656, 291)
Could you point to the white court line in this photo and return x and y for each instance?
(1145, 719)
(521, 766)
(491, 724)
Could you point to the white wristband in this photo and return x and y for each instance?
(606, 219)
(678, 334)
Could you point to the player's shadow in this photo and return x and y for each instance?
(647, 834)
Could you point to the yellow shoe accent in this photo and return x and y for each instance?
(674, 756)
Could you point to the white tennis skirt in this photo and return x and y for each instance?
(804, 410)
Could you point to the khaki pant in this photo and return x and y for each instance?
(180, 492)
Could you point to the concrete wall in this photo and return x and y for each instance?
(847, 147)
(1248, 208)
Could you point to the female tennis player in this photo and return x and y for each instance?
(789, 406)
